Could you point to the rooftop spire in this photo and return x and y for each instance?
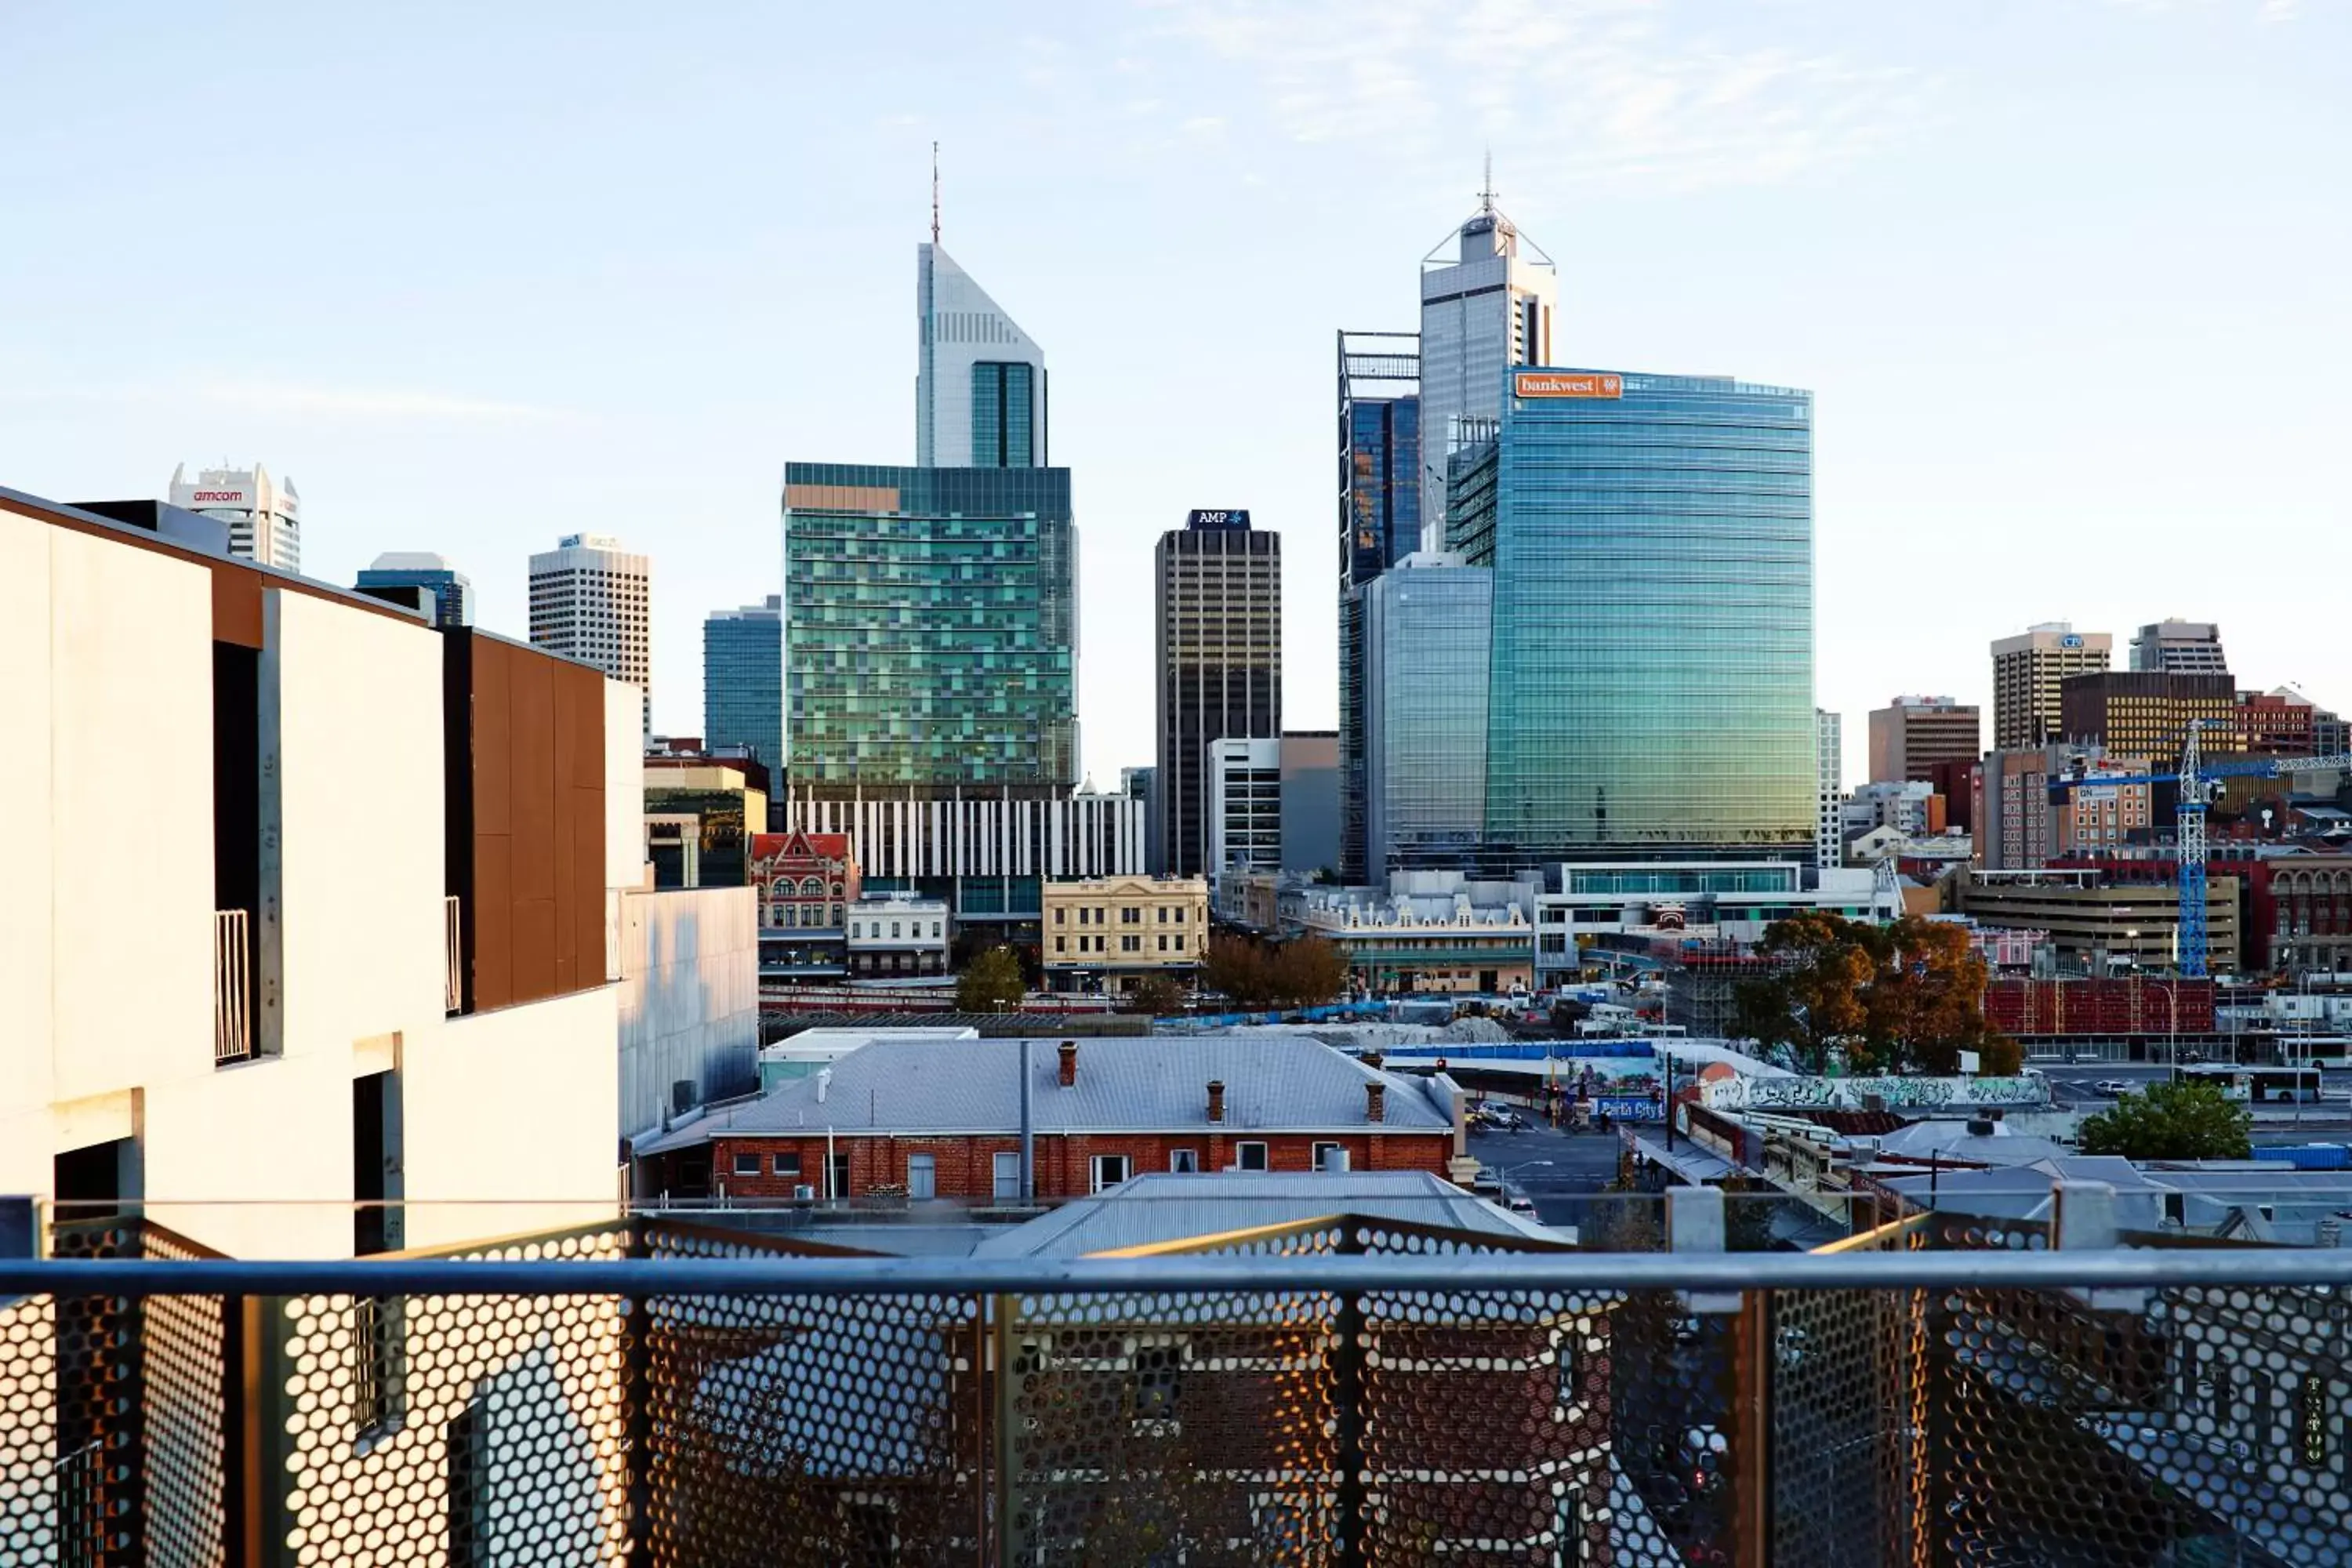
(935, 193)
(1487, 190)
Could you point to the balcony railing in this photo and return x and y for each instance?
(1341, 1391)
(453, 982)
(232, 986)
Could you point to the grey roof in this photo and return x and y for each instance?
(1951, 1140)
(1155, 1084)
(2022, 1192)
(1164, 1207)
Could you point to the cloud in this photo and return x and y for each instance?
(1590, 91)
(372, 402)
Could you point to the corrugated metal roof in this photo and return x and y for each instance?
(1155, 1084)
(1163, 1207)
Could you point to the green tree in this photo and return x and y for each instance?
(1157, 996)
(2171, 1121)
(991, 982)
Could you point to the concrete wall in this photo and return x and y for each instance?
(689, 997)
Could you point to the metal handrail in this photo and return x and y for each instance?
(1578, 1272)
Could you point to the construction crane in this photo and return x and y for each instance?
(2198, 784)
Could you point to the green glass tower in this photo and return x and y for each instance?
(1651, 686)
(929, 626)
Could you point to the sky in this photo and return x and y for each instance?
(2068, 278)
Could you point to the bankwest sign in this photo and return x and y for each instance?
(1553, 384)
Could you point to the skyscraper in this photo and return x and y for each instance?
(1911, 735)
(1218, 660)
(1650, 690)
(980, 382)
(264, 516)
(2026, 672)
(1829, 748)
(1428, 633)
(929, 634)
(453, 594)
(744, 683)
(1485, 309)
(1380, 525)
(2179, 648)
(589, 600)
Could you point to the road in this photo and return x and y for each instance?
(1556, 1171)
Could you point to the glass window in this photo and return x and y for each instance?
(1110, 1171)
(1249, 1156)
(788, 1164)
(1184, 1162)
(747, 1165)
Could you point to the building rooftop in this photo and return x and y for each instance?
(1151, 1084)
(1160, 1207)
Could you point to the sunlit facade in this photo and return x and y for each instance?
(1650, 689)
(1428, 625)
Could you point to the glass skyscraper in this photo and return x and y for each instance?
(453, 592)
(1380, 525)
(929, 627)
(743, 682)
(980, 380)
(1651, 686)
(1428, 630)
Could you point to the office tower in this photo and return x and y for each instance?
(1142, 785)
(589, 602)
(1428, 630)
(1911, 735)
(980, 382)
(2145, 714)
(744, 683)
(2019, 826)
(1380, 525)
(1218, 660)
(1311, 801)
(1244, 806)
(929, 628)
(453, 594)
(2026, 672)
(1484, 310)
(1650, 690)
(2179, 648)
(1829, 755)
(264, 515)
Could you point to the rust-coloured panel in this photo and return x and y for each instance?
(532, 793)
(493, 913)
(566, 866)
(587, 914)
(534, 949)
(236, 605)
(493, 736)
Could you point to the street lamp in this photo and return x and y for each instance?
(1512, 1169)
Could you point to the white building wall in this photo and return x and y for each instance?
(689, 997)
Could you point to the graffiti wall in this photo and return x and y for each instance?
(1856, 1093)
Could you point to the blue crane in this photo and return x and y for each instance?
(2197, 780)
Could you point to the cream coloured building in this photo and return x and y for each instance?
(1105, 933)
(340, 944)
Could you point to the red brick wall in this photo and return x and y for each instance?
(964, 1164)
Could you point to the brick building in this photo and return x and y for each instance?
(941, 1119)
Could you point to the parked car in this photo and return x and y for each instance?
(1488, 1181)
(1522, 1206)
(2112, 1087)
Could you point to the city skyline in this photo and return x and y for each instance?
(447, 399)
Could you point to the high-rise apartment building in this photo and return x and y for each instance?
(1650, 692)
(2147, 714)
(2026, 672)
(1218, 660)
(1428, 633)
(264, 515)
(1380, 525)
(2179, 648)
(1829, 752)
(1484, 309)
(980, 382)
(589, 601)
(929, 633)
(744, 683)
(453, 594)
(1911, 735)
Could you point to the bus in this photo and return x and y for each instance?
(2259, 1085)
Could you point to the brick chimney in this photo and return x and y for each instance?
(1069, 1064)
(1376, 1101)
(1373, 1059)
(1216, 1099)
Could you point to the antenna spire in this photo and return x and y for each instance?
(935, 193)
(1487, 190)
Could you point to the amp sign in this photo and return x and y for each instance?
(1213, 521)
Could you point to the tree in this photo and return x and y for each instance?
(1157, 996)
(991, 982)
(2171, 1121)
(1909, 994)
(1237, 966)
(1308, 971)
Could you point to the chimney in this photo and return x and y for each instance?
(1069, 1064)
(1376, 1101)
(1373, 1059)
(1216, 1099)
